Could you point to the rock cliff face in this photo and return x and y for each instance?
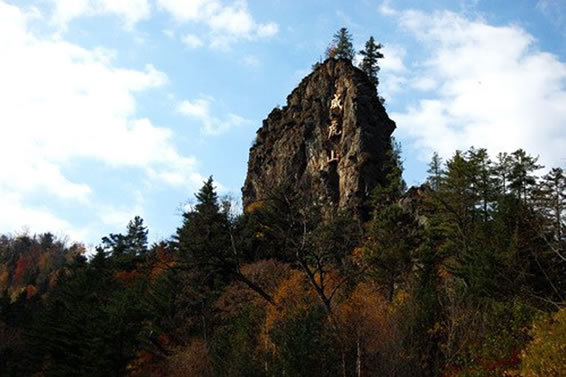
(328, 144)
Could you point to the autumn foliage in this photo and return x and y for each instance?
(461, 277)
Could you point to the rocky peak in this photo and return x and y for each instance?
(328, 144)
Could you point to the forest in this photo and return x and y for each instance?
(464, 275)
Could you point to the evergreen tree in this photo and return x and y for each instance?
(369, 64)
(386, 194)
(137, 236)
(134, 243)
(394, 238)
(483, 181)
(435, 171)
(552, 203)
(502, 171)
(522, 178)
(341, 47)
(204, 238)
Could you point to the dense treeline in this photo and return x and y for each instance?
(462, 276)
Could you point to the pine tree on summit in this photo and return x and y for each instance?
(369, 63)
(341, 46)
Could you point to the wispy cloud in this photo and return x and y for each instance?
(226, 24)
(192, 41)
(555, 10)
(130, 11)
(251, 61)
(200, 110)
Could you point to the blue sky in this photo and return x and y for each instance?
(115, 108)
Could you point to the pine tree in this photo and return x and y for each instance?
(204, 237)
(394, 237)
(502, 172)
(386, 194)
(369, 63)
(435, 171)
(522, 178)
(341, 46)
(137, 236)
(551, 198)
(484, 184)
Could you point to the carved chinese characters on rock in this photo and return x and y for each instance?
(335, 127)
(336, 107)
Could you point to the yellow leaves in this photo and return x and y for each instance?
(364, 315)
(52, 279)
(45, 262)
(293, 295)
(400, 298)
(254, 206)
(15, 292)
(545, 355)
(4, 278)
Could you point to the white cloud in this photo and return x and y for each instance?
(386, 9)
(424, 83)
(199, 109)
(131, 11)
(555, 10)
(189, 10)
(118, 218)
(16, 217)
(251, 61)
(61, 103)
(393, 58)
(192, 41)
(495, 89)
(390, 85)
(267, 30)
(226, 23)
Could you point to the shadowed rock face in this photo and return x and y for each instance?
(328, 144)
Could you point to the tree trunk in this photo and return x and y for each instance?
(358, 358)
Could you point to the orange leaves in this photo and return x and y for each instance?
(22, 267)
(30, 291)
(163, 262)
(267, 274)
(127, 277)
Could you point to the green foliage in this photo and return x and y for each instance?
(435, 171)
(390, 191)
(133, 243)
(369, 64)
(204, 238)
(306, 346)
(392, 247)
(493, 349)
(235, 350)
(341, 47)
(521, 177)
